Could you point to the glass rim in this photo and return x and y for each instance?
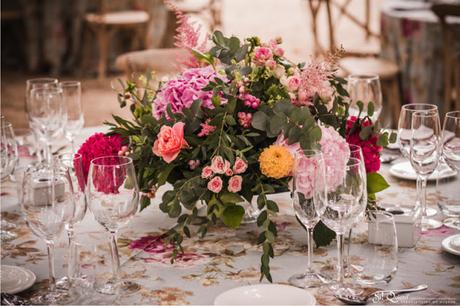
(453, 114)
(423, 114)
(363, 76)
(69, 83)
(354, 162)
(303, 153)
(383, 213)
(127, 161)
(45, 89)
(43, 80)
(71, 155)
(409, 107)
(351, 145)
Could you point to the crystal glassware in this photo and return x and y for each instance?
(449, 196)
(365, 88)
(113, 198)
(405, 134)
(308, 186)
(342, 205)
(380, 262)
(46, 202)
(71, 93)
(8, 149)
(48, 115)
(425, 151)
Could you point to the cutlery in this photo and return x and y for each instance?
(357, 299)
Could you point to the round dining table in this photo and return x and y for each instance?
(226, 259)
(411, 37)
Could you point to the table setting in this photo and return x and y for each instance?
(247, 179)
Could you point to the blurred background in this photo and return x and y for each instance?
(413, 47)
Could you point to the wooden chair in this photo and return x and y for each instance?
(451, 55)
(106, 22)
(354, 61)
(211, 10)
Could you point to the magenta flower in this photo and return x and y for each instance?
(206, 128)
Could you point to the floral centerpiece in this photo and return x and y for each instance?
(226, 129)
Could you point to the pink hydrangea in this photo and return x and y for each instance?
(181, 92)
(306, 175)
(314, 80)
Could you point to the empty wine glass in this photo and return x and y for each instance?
(72, 163)
(8, 150)
(405, 134)
(449, 203)
(365, 88)
(425, 150)
(71, 93)
(46, 202)
(113, 198)
(341, 207)
(48, 115)
(308, 186)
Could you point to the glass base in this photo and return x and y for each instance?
(56, 297)
(63, 283)
(123, 287)
(308, 280)
(452, 223)
(430, 212)
(430, 224)
(7, 236)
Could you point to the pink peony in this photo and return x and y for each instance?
(293, 83)
(240, 166)
(215, 185)
(206, 172)
(170, 142)
(261, 55)
(234, 183)
(188, 87)
(206, 129)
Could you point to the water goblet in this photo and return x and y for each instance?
(308, 186)
(365, 88)
(8, 150)
(71, 93)
(113, 198)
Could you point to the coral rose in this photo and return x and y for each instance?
(215, 185)
(234, 183)
(170, 142)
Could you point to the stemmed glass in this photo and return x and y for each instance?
(113, 198)
(342, 205)
(46, 202)
(48, 115)
(425, 151)
(308, 186)
(451, 156)
(71, 92)
(72, 163)
(405, 134)
(365, 88)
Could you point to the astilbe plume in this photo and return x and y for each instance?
(187, 37)
(314, 80)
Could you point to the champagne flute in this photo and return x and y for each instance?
(405, 134)
(71, 92)
(450, 206)
(113, 198)
(365, 88)
(308, 186)
(48, 115)
(46, 202)
(339, 210)
(425, 151)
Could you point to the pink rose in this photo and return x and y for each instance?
(261, 55)
(170, 142)
(234, 183)
(229, 172)
(293, 83)
(206, 172)
(270, 64)
(219, 165)
(215, 185)
(278, 51)
(240, 166)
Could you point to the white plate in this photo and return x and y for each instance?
(16, 279)
(265, 294)
(447, 244)
(404, 171)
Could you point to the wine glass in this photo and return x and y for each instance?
(405, 134)
(365, 88)
(46, 202)
(450, 203)
(113, 198)
(342, 205)
(8, 150)
(425, 151)
(71, 92)
(308, 186)
(48, 115)
(72, 163)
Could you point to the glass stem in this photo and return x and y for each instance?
(52, 278)
(340, 258)
(347, 255)
(72, 264)
(423, 179)
(115, 256)
(49, 153)
(418, 199)
(72, 143)
(309, 248)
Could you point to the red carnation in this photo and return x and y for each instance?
(371, 151)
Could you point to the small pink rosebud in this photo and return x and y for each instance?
(270, 64)
(206, 172)
(234, 183)
(215, 184)
(240, 166)
(278, 51)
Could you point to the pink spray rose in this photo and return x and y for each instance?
(270, 64)
(234, 183)
(229, 172)
(219, 165)
(261, 55)
(293, 83)
(278, 51)
(240, 166)
(215, 185)
(170, 142)
(206, 172)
